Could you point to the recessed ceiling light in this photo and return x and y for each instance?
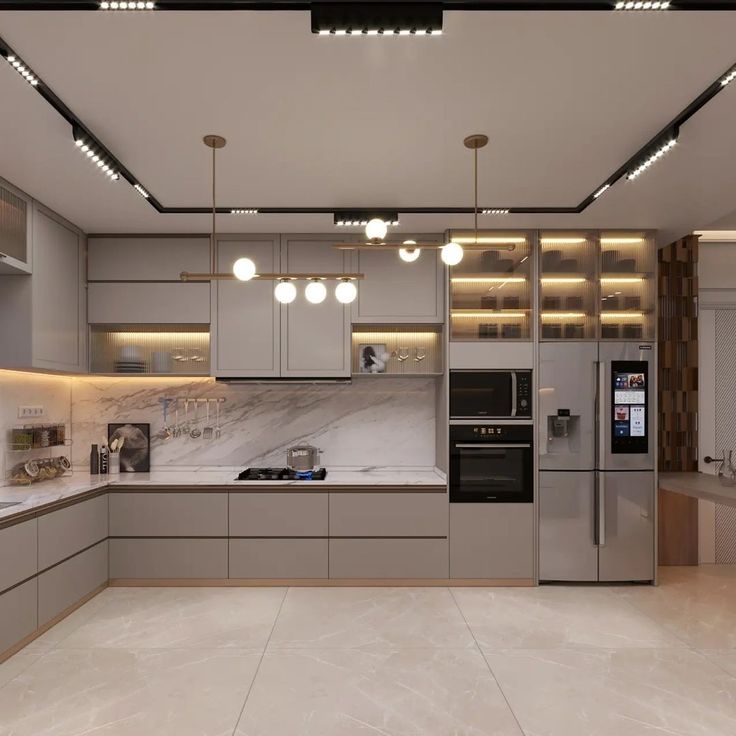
(663, 149)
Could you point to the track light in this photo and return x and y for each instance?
(653, 158)
(125, 5)
(101, 159)
(494, 211)
(379, 32)
(603, 189)
(244, 212)
(376, 18)
(642, 5)
(729, 77)
(141, 191)
(23, 70)
(361, 219)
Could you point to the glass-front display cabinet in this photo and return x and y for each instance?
(490, 289)
(628, 286)
(568, 285)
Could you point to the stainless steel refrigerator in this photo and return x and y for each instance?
(597, 430)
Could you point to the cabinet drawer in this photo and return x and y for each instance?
(492, 540)
(388, 558)
(168, 558)
(18, 553)
(278, 514)
(388, 515)
(65, 532)
(278, 558)
(18, 614)
(150, 514)
(66, 584)
(185, 303)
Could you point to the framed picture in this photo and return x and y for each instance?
(372, 358)
(135, 457)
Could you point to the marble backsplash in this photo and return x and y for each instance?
(373, 421)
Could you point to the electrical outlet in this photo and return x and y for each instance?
(30, 412)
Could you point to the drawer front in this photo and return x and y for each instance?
(388, 515)
(66, 532)
(388, 558)
(66, 584)
(130, 303)
(168, 558)
(150, 514)
(18, 614)
(278, 558)
(18, 553)
(278, 514)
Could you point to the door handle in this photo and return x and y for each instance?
(492, 445)
(601, 510)
(601, 414)
(513, 393)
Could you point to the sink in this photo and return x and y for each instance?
(8, 504)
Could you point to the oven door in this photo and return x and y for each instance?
(491, 472)
(482, 394)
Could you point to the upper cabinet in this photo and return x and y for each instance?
(396, 292)
(15, 229)
(42, 316)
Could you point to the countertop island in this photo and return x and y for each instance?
(698, 485)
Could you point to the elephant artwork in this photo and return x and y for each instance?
(135, 457)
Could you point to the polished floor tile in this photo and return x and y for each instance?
(557, 616)
(616, 692)
(408, 692)
(724, 658)
(369, 617)
(145, 618)
(12, 667)
(182, 692)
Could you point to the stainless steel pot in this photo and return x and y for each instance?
(303, 457)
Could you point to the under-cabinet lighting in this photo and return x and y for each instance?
(23, 70)
(481, 240)
(563, 315)
(489, 314)
(98, 158)
(623, 280)
(621, 315)
(563, 241)
(642, 5)
(603, 189)
(563, 280)
(125, 5)
(488, 280)
(141, 191)
(652, 159)
(729, 77)
(495, 211)
(244, 212)
(621, 241)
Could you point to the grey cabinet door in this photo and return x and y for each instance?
(278, 558)
(627, 542)
(168, 558)
(388, 558)
(567, 549)
(278, 514)
(315, 338)
(18, 553)
(18, 613)
(394, 291)
(245, 322)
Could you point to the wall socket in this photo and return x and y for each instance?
(30, 412)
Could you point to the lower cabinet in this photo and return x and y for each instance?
(18, 613)
(18, 553)
(278, 558)
(65, 584)
(492, 541)
(388, 558)
(168, 558)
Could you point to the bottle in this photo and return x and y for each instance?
(104, 460)
(94, 461)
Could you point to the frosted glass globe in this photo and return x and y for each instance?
(451, 253)
(244, 269)
(315, 292)
(345, 292)
(409, 254)
(376, 229)
(285, 292)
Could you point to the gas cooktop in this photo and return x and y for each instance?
(281, 474)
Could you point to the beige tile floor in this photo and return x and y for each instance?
(550, 661)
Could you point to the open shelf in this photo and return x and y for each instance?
(400, 350)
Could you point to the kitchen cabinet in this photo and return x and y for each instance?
(315, 338)
(395, 292)
(18, 614)
(278, 514)
(492, 541)
(168, 558)
(278, 558)
(18, 552)
(15, 228)
(42, 315)
(246, 325)
(388, 558)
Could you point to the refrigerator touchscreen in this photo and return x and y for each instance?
(629, 409)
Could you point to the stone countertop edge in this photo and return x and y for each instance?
(36, 497)
(698, 485)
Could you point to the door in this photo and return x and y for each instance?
(626, 549)
(567, 396)
(567, 549)
(245, 322)
(315, 338)
(627, 412)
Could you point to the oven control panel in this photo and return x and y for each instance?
(491, 433)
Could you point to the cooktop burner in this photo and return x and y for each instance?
(281, 474)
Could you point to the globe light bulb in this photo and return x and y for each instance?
(376, 229)
(451, 253)
(285, 292)
(345, 292)
(316, 292)
(409, 254)
(244, 269)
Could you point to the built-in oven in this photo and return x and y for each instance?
(486, 394)
(491, 463)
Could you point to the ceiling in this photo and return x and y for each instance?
(565, 98)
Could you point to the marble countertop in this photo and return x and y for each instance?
(50, 492)
(698, 485)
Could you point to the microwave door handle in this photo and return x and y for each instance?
(513, 394)
(494, 445)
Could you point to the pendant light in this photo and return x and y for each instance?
(285, 291)
(346, 291)
(315, 291)
(452, 252)
(409, 255)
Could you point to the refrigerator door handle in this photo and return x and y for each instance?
(601, 509)
(601, 416)
(596, 511)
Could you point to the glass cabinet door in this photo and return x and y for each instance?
(568, 285)
(490, 289)
(628, 285)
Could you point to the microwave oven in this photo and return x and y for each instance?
(490, 394)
